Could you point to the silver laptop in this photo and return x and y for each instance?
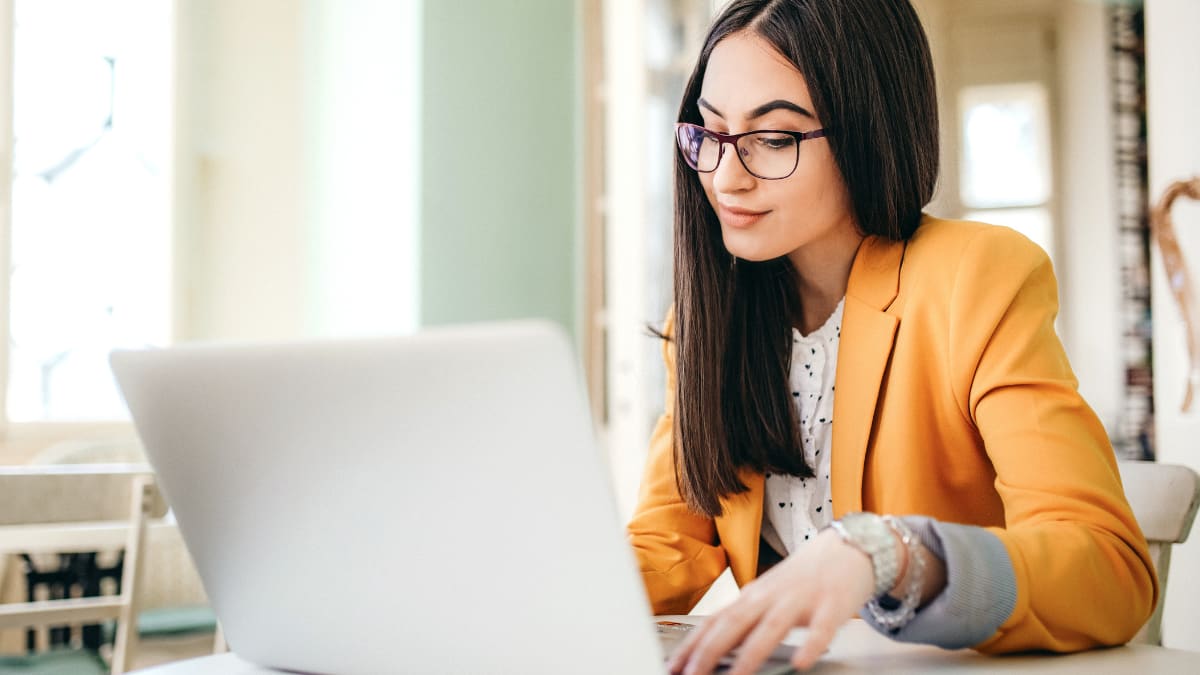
(429, 504)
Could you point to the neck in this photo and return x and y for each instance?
(823, 271)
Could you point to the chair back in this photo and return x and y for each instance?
(1164, 499)
(80, 509)
(62, 493)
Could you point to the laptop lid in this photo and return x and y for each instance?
(433, 503)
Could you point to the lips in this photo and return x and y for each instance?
(738, 217)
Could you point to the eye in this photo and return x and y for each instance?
(771, 141)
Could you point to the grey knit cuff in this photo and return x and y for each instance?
(981, 587)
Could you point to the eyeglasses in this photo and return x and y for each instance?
(767, 154)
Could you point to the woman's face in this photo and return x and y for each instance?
(748, 86)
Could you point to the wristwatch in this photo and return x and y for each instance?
(869, 533)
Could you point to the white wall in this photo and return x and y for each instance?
(295, 181)
(625, 240)
(364, 143)
(1173, 91)
(239, 172)
(1088, 266)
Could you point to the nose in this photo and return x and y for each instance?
(731, 175)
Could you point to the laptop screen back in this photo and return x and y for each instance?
(434, 503)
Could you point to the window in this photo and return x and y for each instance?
(1006, 177)
(89, 219)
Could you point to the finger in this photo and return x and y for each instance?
(679, 656)
(824, 625)
(762, 640)
(724, 632)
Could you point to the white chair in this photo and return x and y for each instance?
(170, 585)
(1164, 498)
(76, 509)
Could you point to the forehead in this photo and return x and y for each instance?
(744, 71)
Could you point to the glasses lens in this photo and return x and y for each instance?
(769, 155)
(700, 149)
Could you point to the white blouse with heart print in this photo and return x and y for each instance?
(795, 509)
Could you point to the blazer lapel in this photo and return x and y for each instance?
(868, 333)
(739, 527)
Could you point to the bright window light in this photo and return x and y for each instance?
(1006, 146)
(91, 235)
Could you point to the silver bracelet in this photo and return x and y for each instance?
(895, 619)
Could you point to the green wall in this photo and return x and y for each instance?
(499, 161)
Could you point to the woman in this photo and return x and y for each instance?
(833, 352)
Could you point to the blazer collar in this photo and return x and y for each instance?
(868, 333)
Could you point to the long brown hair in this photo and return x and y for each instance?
(868, 68)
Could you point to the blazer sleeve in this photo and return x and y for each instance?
(676, 548)
(1083, 573)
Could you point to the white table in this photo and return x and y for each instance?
(859, 649)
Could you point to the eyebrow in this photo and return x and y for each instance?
(777, 104)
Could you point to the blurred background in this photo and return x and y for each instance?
(187, 170)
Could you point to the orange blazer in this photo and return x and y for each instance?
(954, 400)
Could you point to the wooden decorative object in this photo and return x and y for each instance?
(1178, 276)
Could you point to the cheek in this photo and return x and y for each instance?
(820, 188)
(706, 181)
(799, 195)
(829, 177)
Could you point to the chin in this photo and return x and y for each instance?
(747, 246)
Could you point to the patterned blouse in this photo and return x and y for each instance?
(794, 509)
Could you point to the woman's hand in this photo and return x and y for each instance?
(819, 587)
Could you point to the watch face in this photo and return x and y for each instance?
(868, 530)
(859, 524)
(870, 534)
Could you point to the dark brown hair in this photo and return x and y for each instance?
(868, 69)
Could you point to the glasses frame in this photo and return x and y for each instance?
(732, 139)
